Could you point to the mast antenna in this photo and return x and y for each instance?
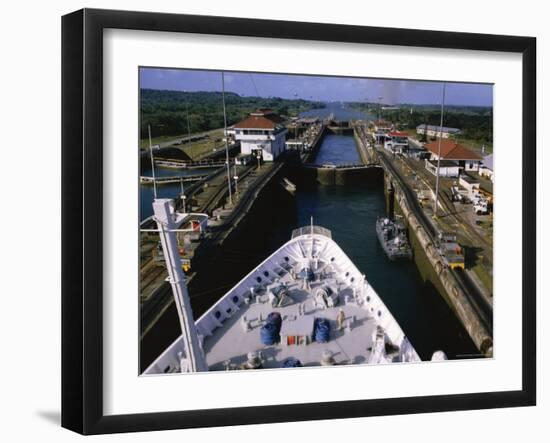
(168, 222)
(226, 141)
(152, 162)
(312, 241)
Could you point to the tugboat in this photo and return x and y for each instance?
(393, 239)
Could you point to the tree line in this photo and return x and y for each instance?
(169, 112)
(475, 123)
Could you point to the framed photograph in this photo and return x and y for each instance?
(270, 221)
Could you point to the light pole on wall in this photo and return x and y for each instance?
(439, 152)
(226, 142)
(258, 156)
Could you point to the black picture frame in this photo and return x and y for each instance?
(82, 259)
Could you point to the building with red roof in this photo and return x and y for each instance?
(261, 134)
(453, 151)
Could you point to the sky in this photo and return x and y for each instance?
(318, 87)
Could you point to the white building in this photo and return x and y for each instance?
(397, 142)
(486, 168)
(381, 128)
(447, 168)
(470, 184)
(262, 133)
(433, 131)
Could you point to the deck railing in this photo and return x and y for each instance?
(307, 230)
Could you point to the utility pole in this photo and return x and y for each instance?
(378, 122)
(152, 162)
(226, 141)
(188, 126)
(439, 152)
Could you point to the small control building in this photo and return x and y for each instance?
(262, 134)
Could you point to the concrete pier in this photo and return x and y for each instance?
(365, 149)
(449, 283)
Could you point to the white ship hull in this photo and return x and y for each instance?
(319, 281)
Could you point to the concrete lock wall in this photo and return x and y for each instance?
(431, 268)
(341, 176)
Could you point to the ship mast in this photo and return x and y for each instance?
(226, 141)
(312, 241)
(152, 162)
(167, 221)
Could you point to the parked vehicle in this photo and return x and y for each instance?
(459, 195)
(481, 207)
(481, 204)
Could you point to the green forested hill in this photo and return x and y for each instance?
(166, 111)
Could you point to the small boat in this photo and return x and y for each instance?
(393, 239)
(288, 185)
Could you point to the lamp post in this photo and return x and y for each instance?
(226, 143)
(258, 156)
(236, 178)
(378, 122)
(188, 127)
(152, 162)
(183, 196)
(439, 152)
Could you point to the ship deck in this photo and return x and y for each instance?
(229, 345)
(317, 280)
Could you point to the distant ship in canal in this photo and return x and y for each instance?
(307, 304)
(393, 239)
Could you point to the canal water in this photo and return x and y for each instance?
(337, 150)
(340, 111)
(172, 190)
(350, 212)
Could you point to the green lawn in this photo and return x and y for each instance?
(197, 150)
(476, 145)
(411, 132)
(144, 143)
